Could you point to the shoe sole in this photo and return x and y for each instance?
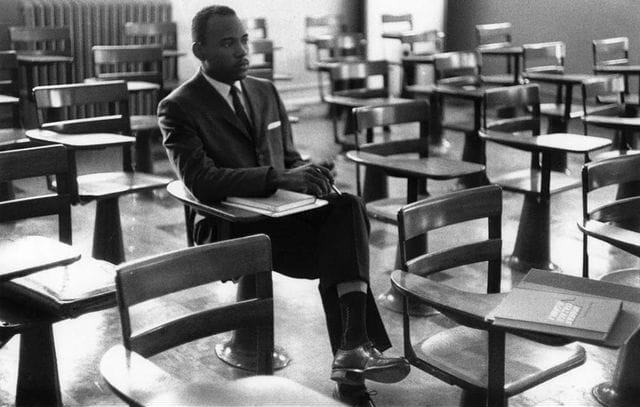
(389, 374)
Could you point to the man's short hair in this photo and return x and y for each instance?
(199, 22)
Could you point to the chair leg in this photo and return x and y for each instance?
(585, 257)
(38, 382)
(107, 233)
(495, 390)
(144, 163)
(240, 350)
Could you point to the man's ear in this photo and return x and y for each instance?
(196, 48)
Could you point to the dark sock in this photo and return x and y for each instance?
(353, 307)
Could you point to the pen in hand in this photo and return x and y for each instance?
(335, 189)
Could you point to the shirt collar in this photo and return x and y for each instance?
(222, 87)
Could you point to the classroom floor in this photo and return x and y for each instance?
(154, 224)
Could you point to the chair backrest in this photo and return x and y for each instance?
(419, 218)
(22, 163)
(97, 107)
(610, 51)
(611, 171)
(495, 35)
(455, 64)
(256, 28)
(155, 277)
(362, 70)
(369, 117)
(128, 62)
(41, 40)
(609, 88)
(323, 25)
(425, 41)
(544, 57)
(396, 22)
(521, 101)
(159, 33)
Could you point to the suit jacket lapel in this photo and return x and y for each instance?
(253, 99)
(219, 105)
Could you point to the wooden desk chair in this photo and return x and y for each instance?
(31, 303)
(350, 87)
(417, 112)
(611, 52)
(141, 66)
(106, 123)
(138, 381)
(524, 102)
(333, 50)
(549, 57)
(423, 43)
(460, 69)
(406, 157)
(616, 221)
(487, 363)
(604, 105)
(239, 351)
(491, 37)
(164, 34)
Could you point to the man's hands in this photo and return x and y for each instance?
(309, 178)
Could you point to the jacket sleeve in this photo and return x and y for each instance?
(207, 181)
(292, 157)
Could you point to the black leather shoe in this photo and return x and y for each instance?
(366, 362)
(357, 396)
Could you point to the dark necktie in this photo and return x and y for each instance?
(240, 112)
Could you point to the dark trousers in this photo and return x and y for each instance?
(329, 243)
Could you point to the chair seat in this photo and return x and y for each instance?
(111, 184)
(67, 291)
(12, 136)
(528, 181)
(143, 122)
(628, 277)
(557, 110)
(462, 352)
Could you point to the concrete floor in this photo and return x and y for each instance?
(155, 224)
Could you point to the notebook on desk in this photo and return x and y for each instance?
(575, 315)
(281, 203)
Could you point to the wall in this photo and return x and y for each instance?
(285, 21)
(576, 23)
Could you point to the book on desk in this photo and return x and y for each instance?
(281, 203)
(574, 315)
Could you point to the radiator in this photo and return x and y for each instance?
(94, 22)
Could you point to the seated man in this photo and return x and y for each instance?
(228, 134)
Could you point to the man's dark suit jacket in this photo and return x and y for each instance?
(211, 150)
